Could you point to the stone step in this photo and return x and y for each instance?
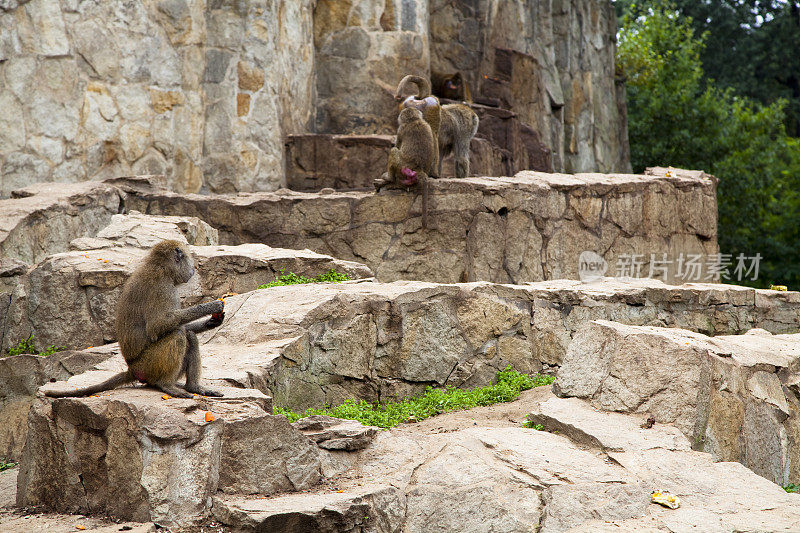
(351, 162)
(311, 345)
(439, 475)
(135, 455)
(736, 397)
(69, 298)
(369, 508)
(59, 211)
(529, 227)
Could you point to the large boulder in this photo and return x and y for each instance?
(133, 454)
(736, 397)
(494, 475)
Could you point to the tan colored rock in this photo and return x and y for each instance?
(41, 219)
(728, 394)
(163, 101)
(594, 474)
(250, 78)
(20, 377)
(132, 454)
(70, 298)
(335, 433)
(506, 230)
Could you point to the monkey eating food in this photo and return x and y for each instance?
(157, 338)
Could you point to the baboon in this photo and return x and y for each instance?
(430, 108)
(452, 87)
(411, 158)
(156, 337)
(455, 124)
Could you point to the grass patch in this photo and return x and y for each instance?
(331, 276)
(531, 425)
(792, 487)
(28, 346)
(5, 465)
(432, 402)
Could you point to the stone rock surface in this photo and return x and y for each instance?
(42, 219)
(335, 433)
(69, 299)
(20, 378)
(322, 344)
(529, 227)
(550, 63)
(135, 455)
(733, 396)
(206, 92)
(494, 475)
(92, 91)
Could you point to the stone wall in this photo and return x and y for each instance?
(203, 92)
(363, 49)
(206, 92)
(529, 227)
(550, 62)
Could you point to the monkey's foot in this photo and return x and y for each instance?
(175, 392)
(203, 391)
(379, 183)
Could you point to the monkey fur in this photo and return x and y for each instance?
(454, 125)
(411, 159)
(157, 338)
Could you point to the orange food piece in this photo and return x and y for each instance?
(166, 397)
(105, 260)
(80, 527)
(210, 416)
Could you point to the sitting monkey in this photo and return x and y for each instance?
(156, 336)
(411, 159)
(454, 125)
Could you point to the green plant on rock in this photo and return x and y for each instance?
(531, 425)
(5, 465)
(331, 276)
(792, 487)
(508, 385)
(28, 346)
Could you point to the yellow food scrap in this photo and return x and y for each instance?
(778, 287)
(166, 397)
(80, 527)
(210, 416)
(665, 498)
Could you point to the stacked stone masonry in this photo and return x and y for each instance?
(207, 92)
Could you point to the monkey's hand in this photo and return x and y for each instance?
(215, 321)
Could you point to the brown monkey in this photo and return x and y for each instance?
(412, 157)
(452, 87)
(156, 337)
(428, 105)
(455, 124)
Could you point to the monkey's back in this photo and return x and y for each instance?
(144, 294)
(456, 118)
(418, 147)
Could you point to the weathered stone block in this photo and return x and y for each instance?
(729, 394)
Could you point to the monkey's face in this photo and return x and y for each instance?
(184, 264)
(174, 258)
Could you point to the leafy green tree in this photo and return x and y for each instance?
(678, 117)
(750, 46)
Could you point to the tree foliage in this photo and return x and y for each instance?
(679, 117)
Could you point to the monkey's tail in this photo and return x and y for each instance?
(423, 86)
(112, 382)
(425, 202)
